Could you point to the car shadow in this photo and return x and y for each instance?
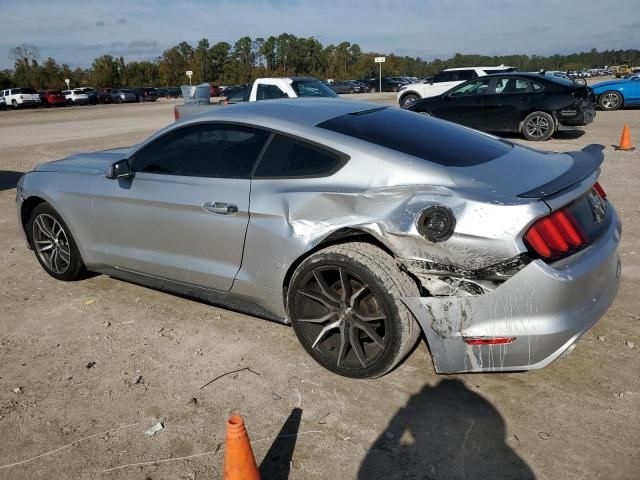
(277, 462)
(9, 180)
(559, 135)
(445, 431)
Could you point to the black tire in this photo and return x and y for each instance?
(409, 99)
(610, 100)
(538, 126)
(14, 103)
(349, 349)
(74, 268)
(351, 90)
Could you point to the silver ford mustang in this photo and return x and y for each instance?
(360, 225)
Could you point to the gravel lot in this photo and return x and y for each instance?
(576, 419)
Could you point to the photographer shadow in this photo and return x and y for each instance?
(444, 432)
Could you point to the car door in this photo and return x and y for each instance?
(184, 212)
(464, 103)
(505, 106)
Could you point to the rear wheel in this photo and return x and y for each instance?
(14, 103)
(55, 248)
(610, 100)
(345, 308)
(538, 126)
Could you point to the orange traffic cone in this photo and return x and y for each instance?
(239, 463)
(625, 140)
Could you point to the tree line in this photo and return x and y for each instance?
(284, 55)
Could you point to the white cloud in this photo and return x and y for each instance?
(72, 31)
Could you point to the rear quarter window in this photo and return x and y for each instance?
(288, 157)
(421, 136)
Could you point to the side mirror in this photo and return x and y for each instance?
(120, 169)
(431, 81)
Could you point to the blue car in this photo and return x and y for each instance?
(614, 94)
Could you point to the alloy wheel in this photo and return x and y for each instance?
(342, 318)
(537, 126)
(51, 243)
(610, 101)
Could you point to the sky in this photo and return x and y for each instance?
(75, 32)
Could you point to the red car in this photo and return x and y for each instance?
(52, 98)
(214, 91)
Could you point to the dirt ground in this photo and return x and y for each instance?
(576, 419)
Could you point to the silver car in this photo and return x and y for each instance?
(362, 226)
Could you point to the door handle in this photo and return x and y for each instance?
(221, 208)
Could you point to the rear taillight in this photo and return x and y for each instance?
(598, 188)
(555, 235)
(176, 114)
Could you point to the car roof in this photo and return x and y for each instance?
(504, 67)
(287, 112)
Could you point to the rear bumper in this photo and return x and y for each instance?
(578, 117)
(545, 308)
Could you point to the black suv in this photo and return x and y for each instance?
(389, 84)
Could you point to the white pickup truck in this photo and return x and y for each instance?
(196, 99)
(20, 97)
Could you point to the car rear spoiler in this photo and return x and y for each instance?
(585, 162)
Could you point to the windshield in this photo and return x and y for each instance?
(312, 88)
(419, 135)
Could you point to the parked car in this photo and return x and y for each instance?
(76, 97)
(346, 86)
(146, 94)
(21, 97)
(3, 104)
(389, 84)
(162, 92)
(174, 92)
(615, 94)
(378, 223)
(123, 95)
(444, 81)
(91, 94)
(52, 98)
(533, 104)
(214, 91)
(104, 95)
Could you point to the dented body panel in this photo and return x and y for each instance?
(546, 308)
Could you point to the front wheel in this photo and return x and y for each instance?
(538, 126)
(610, 100)
(408, 100)
(55, 248)
(345, 308)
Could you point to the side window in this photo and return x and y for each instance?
(288, 157)
(444, 77)
(240, 95)
(477, 87)
(215, 151)
(464, 75)
(536, 87)
(269, 92)
(512, 85)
